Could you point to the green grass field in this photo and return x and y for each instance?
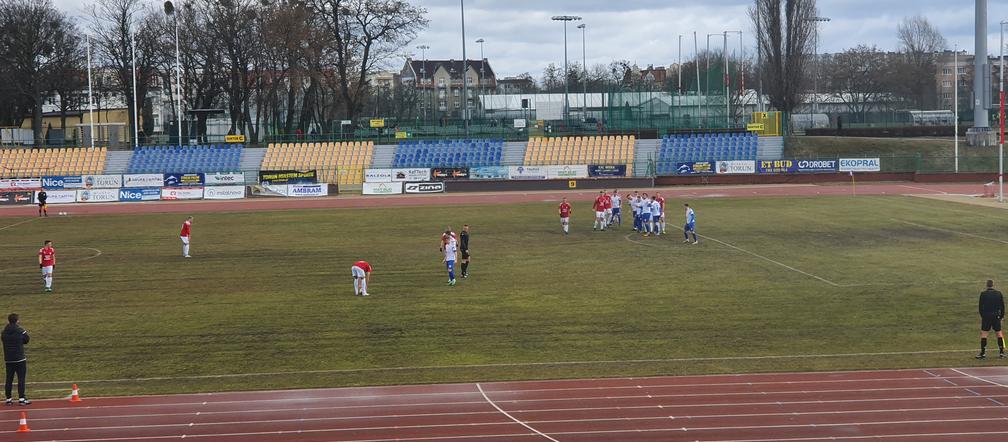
(270, 292)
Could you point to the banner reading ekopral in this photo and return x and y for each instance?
(736, 167)
(225, 179)
(378, 176)
(860, 165)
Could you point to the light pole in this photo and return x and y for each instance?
(741, 65)
(584, 68)
(90, 94)
(136, 121)
(759, 56)
(482, 74)
(423, 76)
(696, 60)
(565, 19)
(815, 80)
(169, 9)
(707, 74)
(1001, 95)
(465, 74)
(955, 95)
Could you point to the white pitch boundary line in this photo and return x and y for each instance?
(933, 191)
(979, 378)
(951, 231)
(18, 223)
(504, 364)
(480, 388)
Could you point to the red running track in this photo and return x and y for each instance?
(933, 405)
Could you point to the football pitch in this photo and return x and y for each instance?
(776, 284)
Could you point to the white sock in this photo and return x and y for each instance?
(363, 285)
(565, 227)
(356, 289)
(185, 250)
(48, 282)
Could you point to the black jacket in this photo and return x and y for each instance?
(14, 339)
(992, 303)
(464, 239)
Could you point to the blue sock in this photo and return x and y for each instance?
(451, 275)
(685, 234)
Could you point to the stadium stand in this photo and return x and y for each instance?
(338, 163)
(580, 150)
(170, 159)
(448, 153)
(681, 148)
(23, 163)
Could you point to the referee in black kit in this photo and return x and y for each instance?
(992, 311)
(464, 248)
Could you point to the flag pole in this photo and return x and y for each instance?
(852, 185)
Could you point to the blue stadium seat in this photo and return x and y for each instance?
(212, 158)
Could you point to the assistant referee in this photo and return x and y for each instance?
(992, 310)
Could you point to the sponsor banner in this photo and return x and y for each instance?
(184, 179)
(429, 187)
(415, 174)
(383, 188)
(607, 170)
(139, 194)
(234, 138)
(449, 173)
(297, 190)
(489, 173)
(97, 195)
(288, 176)
(224, 192)
(143, 180)
(102, 181)
(182, 193)
(566, 172)
(63, 182)
(736, 167)
(378, 176)
(20, 184)
(696, 168)
(527, 172)
(59, 196)
(224, 178)
(817, 166)
(860, 165)
(16, 198)
(776, 166)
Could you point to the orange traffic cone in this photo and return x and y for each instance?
(23, 423)
(74, 394)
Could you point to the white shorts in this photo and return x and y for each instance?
(565, 220)
(608, 212)
(357, 272)
(185, 240)
(47, 270)
(599, 214)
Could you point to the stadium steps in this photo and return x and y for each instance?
(513, 153)
(117, 161)
(644, 152)
(250, 162)
(770, 148)
(384, 155)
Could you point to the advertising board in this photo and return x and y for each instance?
(566, 172)
(378, 176)
(224, 178)
(860, 165)
(428, 187)
(97, 195)
(224, 192)
(736, 167)
(527, 172)
(102, 181)
(382, 188)
(136, 194)
(183, 179)
(181, 193)
(695, 168)
(143, 180)
(411, 174)
(63, 182)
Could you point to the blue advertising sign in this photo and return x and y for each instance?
(607, 170)
(63, 182)
(140, 194)
(489, 173)
(817, 166)
(776, 166)
(696, 168)
(184, 179)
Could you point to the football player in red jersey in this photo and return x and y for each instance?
(361, 272)
(47, 260)
(565, 214)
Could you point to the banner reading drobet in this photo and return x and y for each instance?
(736, 167)
(527, 172)
(181, 193)
(414, 174)
(776, 166)
(59, 196)
(288, 176)
(304, 190)
(224, 192)
(567, 172)
(63, 182)
(382, 188)
(97, 195)
(102, 181)
(20, 184)
(378, 176)
(489, 173)
(817, 166)
(449, 173)
(137, 194)
(224, 179)
(695, 168)
(607, 170)
(431, 187)
(860, 165)
(15, 198)
(143, 180)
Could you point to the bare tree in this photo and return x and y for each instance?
(785, 44)
(920, 41)
(859, 77)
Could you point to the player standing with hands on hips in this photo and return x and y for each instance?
(46, 262)
(184, 235)
(992, 311)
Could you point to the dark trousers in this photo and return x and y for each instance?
(21, 369)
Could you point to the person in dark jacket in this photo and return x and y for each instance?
(992, 311)
(14, 339)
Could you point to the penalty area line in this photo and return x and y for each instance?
(770, 260)
(18, 223)
(951, 231)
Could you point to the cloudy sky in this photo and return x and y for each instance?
(520, 37)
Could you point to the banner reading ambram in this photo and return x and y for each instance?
(288, 177)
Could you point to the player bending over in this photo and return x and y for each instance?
(361, 272)
(184, 236)
(46, 262)
(449, 259)
(565, 215)
(599, 207)
(690, 226)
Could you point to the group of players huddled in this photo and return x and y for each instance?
(648, 214)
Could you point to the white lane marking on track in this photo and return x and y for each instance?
(17, 223)
(821, 279)
(884, 436)
(480, 388)
(925, 189)
(951, 231)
